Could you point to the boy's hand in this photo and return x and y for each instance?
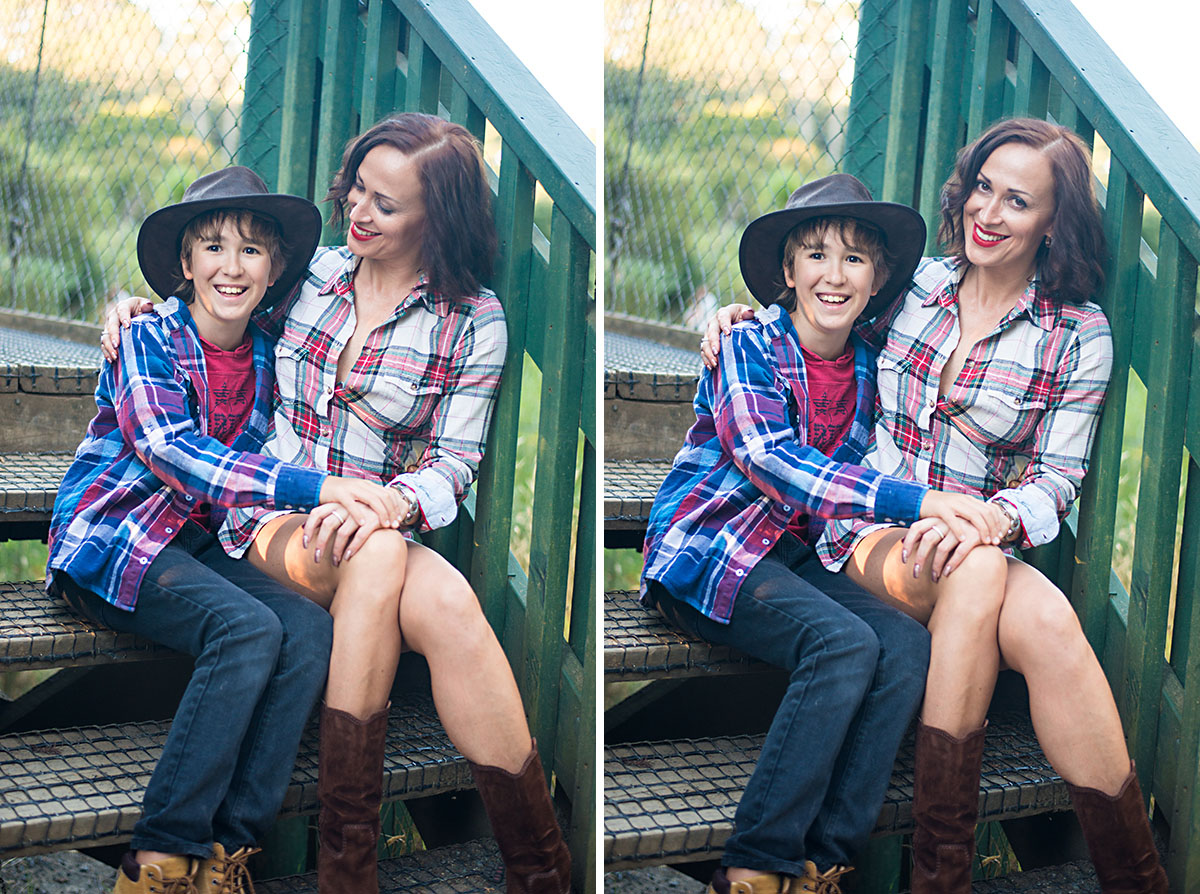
(118, 318)
(722, 324)
(951, 526)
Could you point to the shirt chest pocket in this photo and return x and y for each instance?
(1000, 416)
(893, 398)
(401, 399)
(290, 359)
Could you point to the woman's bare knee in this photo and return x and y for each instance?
(442, 611)
(974, 593)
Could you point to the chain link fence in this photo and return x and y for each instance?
(715, 110)
(108, 109)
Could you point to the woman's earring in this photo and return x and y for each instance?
(1046, 240)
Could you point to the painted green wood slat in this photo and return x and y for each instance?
(1151, 147)
(942, 133)
(867, 122)
(336, 121)
(465, 112)
(589, 413)
(379, 62)
(424, 76)
(1154, 541)
(585, 552)
(1033, 83)
(1097, 512)
(1183, 854)
(300, 98)
(553, 501)
(581, 759)
(258, 146)
(906, 110)
(493, 524)
(550, 144)
(987, 83)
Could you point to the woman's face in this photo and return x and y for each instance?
(385, 208)
(1010, 209)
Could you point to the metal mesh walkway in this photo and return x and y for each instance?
(629, 489)
(84, 786)
(40, 363)
(28, 483)
(641, 369)
(675, 801)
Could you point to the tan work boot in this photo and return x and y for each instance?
(767, 883)
(174, 875)
(814, 882)
(224, 873)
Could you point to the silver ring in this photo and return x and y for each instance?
(338, 516)
(941, 533)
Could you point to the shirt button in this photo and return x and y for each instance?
(766, 542)
(324, 433)
(739, 572)
(329, 390)
(787, 508)
(143, 560)
(170, 530)
(188, 498)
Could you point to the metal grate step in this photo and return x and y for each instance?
(37, 363)
(672, 802)
(470, 868)
(629, 489)
(28, 484)
(38, 631)
(642, 369)
(83, 787)
(640, 645)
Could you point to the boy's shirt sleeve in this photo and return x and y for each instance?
(758, 429)
(156, 410)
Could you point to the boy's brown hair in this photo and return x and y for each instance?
(253, 227)
(854, 233)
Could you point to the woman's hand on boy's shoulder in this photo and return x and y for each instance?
(119, 316)
(720, 324)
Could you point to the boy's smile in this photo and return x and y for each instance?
(833, 283)
(230, 274)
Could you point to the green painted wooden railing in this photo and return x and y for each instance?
(321, 71)
(931, 75)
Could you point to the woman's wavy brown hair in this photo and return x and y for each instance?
(1071, 267)
(459, 241)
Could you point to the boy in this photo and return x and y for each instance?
(728, 553)
(132, 543)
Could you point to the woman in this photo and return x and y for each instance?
(388, 360)
(991, 379)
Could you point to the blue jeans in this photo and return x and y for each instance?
(262, 654)
(857, 675)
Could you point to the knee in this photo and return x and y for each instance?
(384, 553)
(372, 580)
(850, 642)
(1050, 622)
(974, 592)
(254, 628)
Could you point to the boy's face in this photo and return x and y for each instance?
(230, 274)
(833, 283)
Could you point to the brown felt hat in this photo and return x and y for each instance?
(236, 189)
(839, 195)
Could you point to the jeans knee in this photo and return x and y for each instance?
(853, 644)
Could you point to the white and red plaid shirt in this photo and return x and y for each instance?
(1019, 419)
(415, 408)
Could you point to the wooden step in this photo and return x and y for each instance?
(28, 485)
(83, 787)
(648, 392)
(471, 867)
(38, 631)
(46, 385)
(674, 801)
(640, 645)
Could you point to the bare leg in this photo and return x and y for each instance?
(962, 613)
(393, 595)
(1070, 701)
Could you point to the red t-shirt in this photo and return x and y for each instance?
(832, 398)
(230, 400)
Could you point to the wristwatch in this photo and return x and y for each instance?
(1014, 521)
(413, 515)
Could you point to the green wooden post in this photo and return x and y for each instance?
(1098, 504)
(424, 76)
(1154, 545)
(465, 112)
(258, 148)
(299, 99)
(1033, 84)
(493, 522)
(337, 87)
(549, 552)
(379, 61)
(943, 132)
(906, 110)
(987, 80)
(867, 124)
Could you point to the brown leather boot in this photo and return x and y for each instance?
(767, 883)
(350, 787)
(174, 875)
(1117, 831)
(523, 822)
(945, 805)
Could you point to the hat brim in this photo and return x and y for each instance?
(760, 253)
(298, 220)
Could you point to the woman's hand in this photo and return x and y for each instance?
(387, 503)
(951, 526)
(722, 323)
(339, 530)
(118, 318)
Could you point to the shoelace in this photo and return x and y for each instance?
(182, 885)
(828, 881)
(235, 874)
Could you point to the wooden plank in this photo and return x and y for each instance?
(907, 106)
(988, 75)
(379, 62)
(300, 95)
(554, 491)
(943, 132)
(651, 430)
(1097, 513)
(1154, 544)
(336, 120)
(35, 422)
(424, 76)
(1033, 83)
(262, 111)
(465, 112)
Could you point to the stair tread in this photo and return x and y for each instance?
(629, 489)
(640, 645)
(473, 866)
(38, 631)
(674, 801)
(643, 369)
(34, 362)
(28, 484)
(83, 786)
